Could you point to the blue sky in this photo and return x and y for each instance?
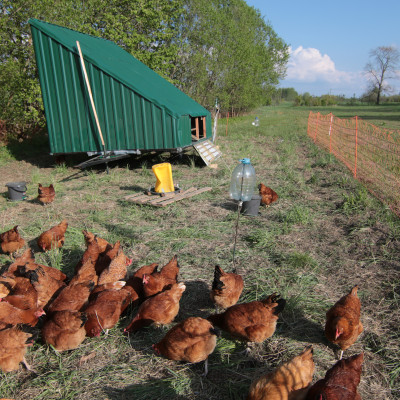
(330, 41)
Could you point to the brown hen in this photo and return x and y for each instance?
(11, 241)
(135, 283)
(107, 256)
(289, 381)
(46, 194)
(64, 330)
(51, 271)
(340, 382)
(10, 315)
(159, 281)
(72, 298)
(104, 310)
(22, 295)
(268, 196)
(254, 321)
(46, 286)
(192, 340)
(160, 309)
(343, 325)
(13, 346)
(116, 270)
(93, 252)
(102, 243)
(53, 237)
(226, 288)
(85, 273)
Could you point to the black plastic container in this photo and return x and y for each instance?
(252, 206)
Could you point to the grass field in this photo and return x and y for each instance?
(325, 234)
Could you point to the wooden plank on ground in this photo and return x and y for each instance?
(159, 199)
(186, 195)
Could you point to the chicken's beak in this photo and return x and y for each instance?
(337, 334)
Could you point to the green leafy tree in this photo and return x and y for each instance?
(218, 48)
(145, 28)
(230, 53)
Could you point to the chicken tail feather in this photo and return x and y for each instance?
(215, 331)
(280, 307)
(354, 290)
(84, 318)
(217, 283)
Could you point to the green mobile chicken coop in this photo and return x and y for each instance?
(133, 109)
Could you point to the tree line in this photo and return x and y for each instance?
(210, 49)
(291, 96)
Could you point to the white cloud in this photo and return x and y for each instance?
(309, 65)
(310, 71)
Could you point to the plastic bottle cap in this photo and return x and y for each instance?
(245, 160)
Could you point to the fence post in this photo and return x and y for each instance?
(308, 123)
(316, 128)
(355, 162)
(330, 134)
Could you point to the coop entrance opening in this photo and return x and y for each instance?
(198, 125)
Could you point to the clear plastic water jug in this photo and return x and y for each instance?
(243, 181)
(256, 122)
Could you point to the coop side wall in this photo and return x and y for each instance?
(128, 121)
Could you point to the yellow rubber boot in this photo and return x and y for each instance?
(163, 173)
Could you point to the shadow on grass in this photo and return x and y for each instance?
(183, 377)
(36, 151)
(134, 188)
(34, 246)
(195, 300)
(151, 389)
(297, 326)
(227, 205)
(123, 231)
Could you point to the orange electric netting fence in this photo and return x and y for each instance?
(371, 153)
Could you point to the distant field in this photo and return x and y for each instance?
(325, 234)
(384, 116)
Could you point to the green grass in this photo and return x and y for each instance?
(324, 234)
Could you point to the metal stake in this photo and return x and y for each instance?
(236, 233)
(237, 220)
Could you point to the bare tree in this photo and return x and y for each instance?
(380, 68)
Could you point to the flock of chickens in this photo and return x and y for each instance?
(38, 299)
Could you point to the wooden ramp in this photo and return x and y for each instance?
(168, 198)
(208, 151)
